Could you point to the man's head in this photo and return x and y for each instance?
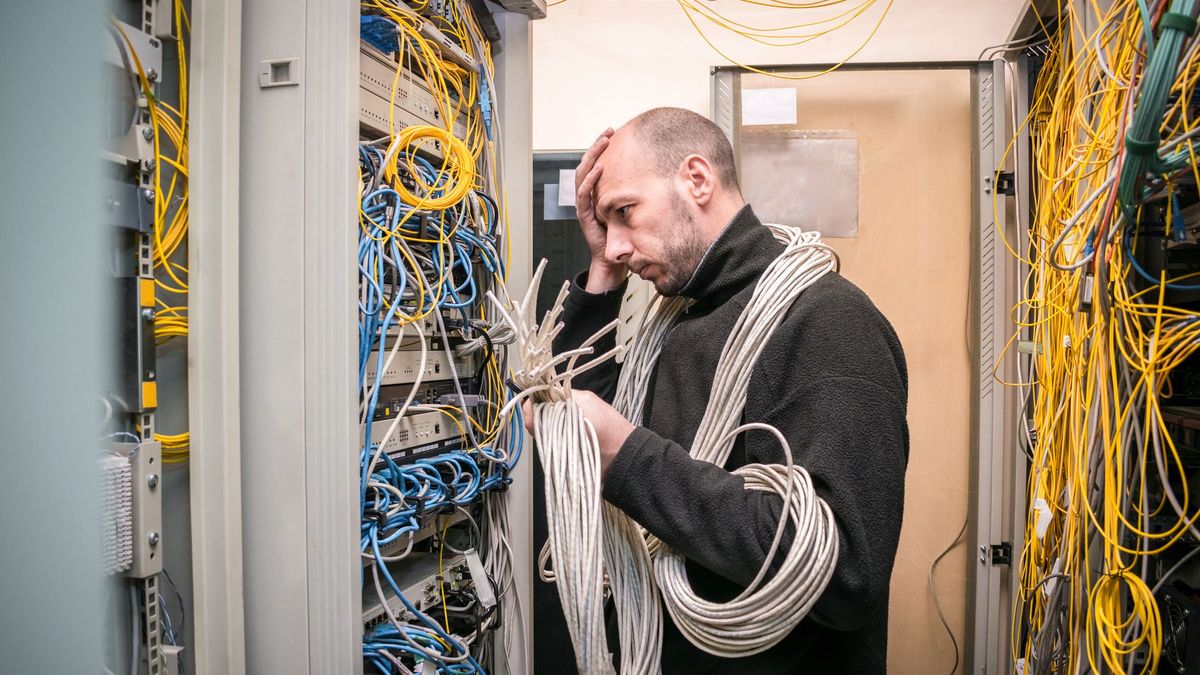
(667, 189)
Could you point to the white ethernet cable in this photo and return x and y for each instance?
(626, 556)
(570, 453)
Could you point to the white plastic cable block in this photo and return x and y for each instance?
(116, 514)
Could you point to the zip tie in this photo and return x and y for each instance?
(1141, 148)
(1177, 21)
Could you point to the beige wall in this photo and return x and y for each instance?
(599, 62)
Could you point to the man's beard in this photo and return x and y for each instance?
(682, 251)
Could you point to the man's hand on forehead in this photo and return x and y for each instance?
(588, 163)
(587, 175)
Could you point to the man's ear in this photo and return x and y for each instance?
(699, 178)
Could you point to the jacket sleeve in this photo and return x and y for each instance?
(847, 431)
(583, 314)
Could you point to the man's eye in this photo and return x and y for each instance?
(623, 210)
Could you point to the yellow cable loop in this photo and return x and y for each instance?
(691, 10)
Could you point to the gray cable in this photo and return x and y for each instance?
(450, 356)
(937, 604)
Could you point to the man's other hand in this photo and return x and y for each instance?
(611, 428)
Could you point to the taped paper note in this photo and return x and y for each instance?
(768, 106)
(551, 209)
(566, 187)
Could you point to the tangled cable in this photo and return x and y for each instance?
(1113, 123)
(637, 564)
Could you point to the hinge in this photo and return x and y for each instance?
(1006, 183)
(1002, 553)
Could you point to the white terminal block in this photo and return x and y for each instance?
(145, 461)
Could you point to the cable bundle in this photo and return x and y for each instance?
(1113, 123)
(570, 455)
(785, 35)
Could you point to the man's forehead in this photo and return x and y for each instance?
(621, 161)
(622, 148)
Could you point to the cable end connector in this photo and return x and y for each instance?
(464, 401)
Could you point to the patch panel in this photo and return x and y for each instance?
(377, 73)
(393, 396)
(411, 343)
(431, 525)
(428, 324)
(418, 435)
(413, 105)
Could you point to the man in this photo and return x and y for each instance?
(660, 198)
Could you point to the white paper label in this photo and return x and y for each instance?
(1043, 517)
(566, 187)
(768, 106)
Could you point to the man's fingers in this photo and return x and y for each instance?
(583, 197)
(589, 158)
(527, 414)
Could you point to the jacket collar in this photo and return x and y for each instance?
(735, 260)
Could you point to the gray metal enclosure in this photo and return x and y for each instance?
(274, 477)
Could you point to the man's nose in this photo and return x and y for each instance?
(617, 248)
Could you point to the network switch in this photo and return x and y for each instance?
(418, 578)
(406, 365)
(417, 435)
(392, 397)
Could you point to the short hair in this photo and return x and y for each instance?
(669, 135)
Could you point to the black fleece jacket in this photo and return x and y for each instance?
(832, 379)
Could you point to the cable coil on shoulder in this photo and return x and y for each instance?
(764, 613)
